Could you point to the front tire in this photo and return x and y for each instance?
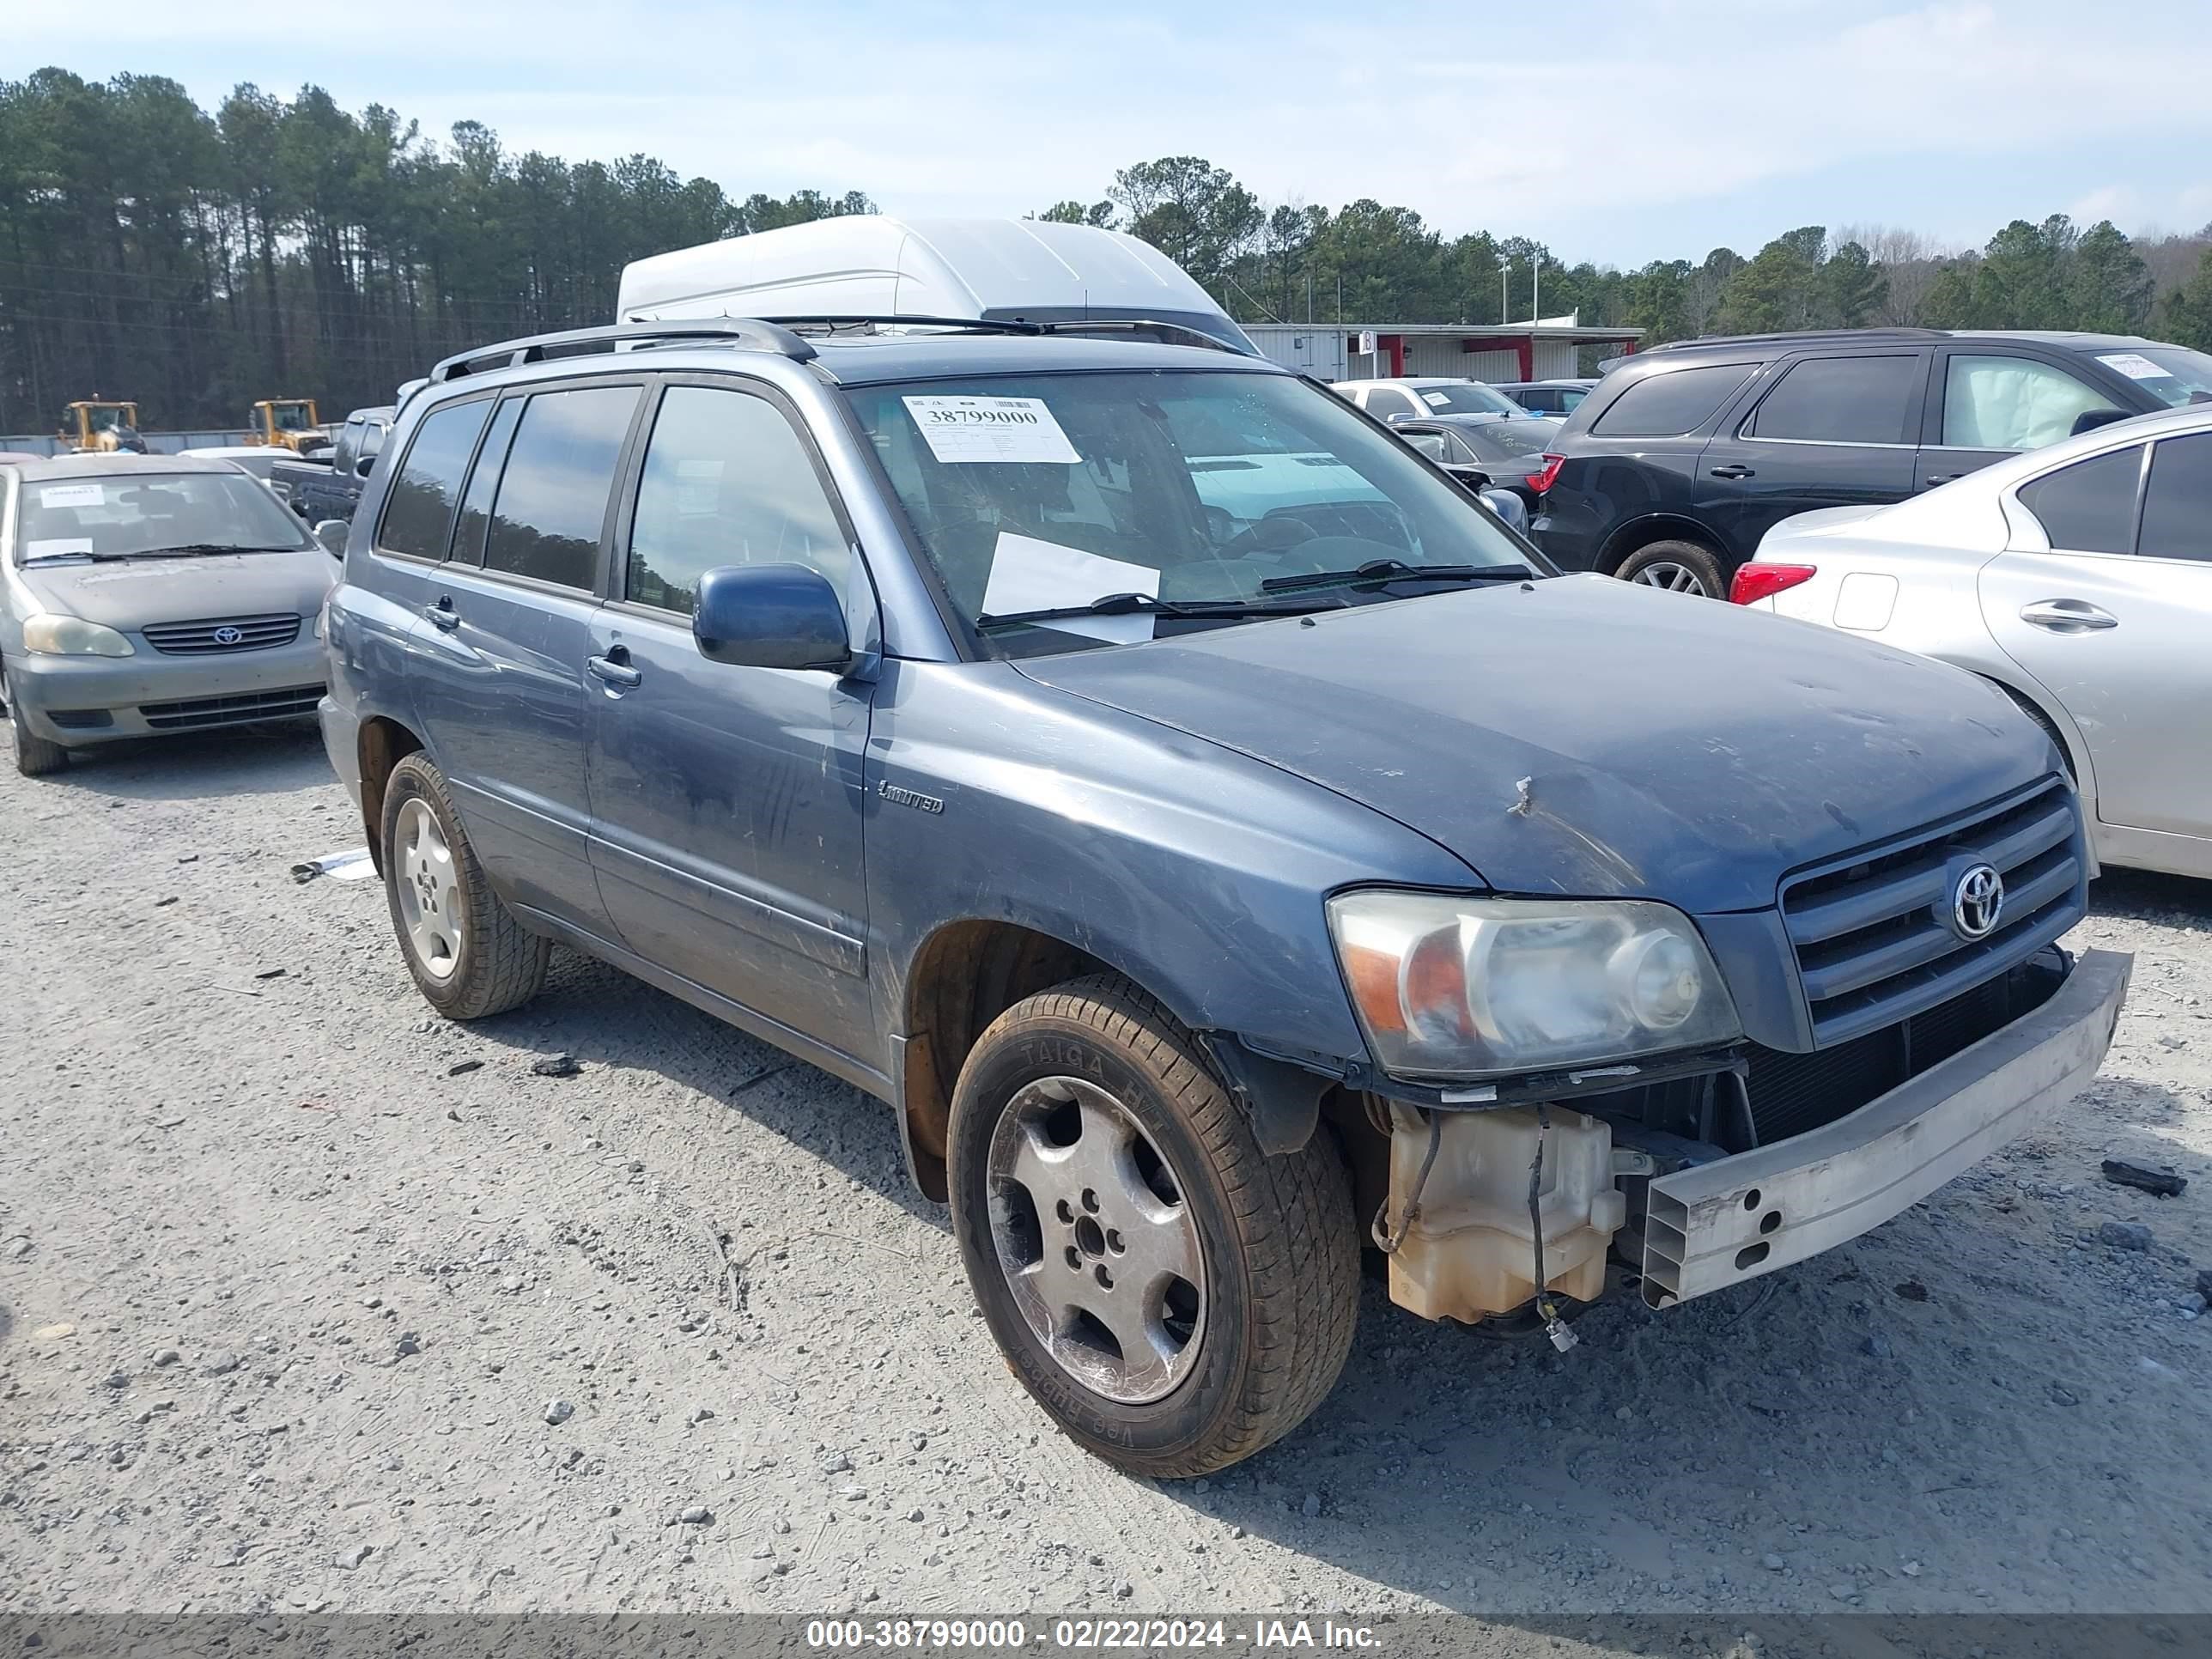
(1675, 567)
(469, 956)
(1174, 1297)
(35, 757)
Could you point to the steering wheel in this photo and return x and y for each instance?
(1269, 536)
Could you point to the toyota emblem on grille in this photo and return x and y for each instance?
(226, 635)
(1977, 902)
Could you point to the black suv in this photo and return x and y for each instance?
(1671, 471)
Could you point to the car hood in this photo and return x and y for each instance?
(1581, 735)
(132, 593)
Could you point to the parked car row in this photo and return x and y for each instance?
(1223, 846)
(1682, 458)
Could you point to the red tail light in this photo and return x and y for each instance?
(1541, 482)
(1756, 581)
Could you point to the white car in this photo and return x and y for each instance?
(2079, 579)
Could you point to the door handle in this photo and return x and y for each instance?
(1940, 478)
(443, 614)
(2068, 617)
(614, 673)
(1735, 470)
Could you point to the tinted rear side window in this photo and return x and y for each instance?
(1842, 400)
(476, 502)
(2177, 516)
(418, 515)
(2089, 506)
(552, 507)
(1673, 402)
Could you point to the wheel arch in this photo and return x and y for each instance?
(1660, 527)
(381, 744)
(2047, 712)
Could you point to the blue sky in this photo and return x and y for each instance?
(1617, 130)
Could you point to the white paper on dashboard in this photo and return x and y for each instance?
(59, 495)
(1020, 430)
(57, 547)
(1435, 399)
(2134, 365)
(1028, 574)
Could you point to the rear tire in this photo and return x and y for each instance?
(1092, 1151)
(35, 758)
(470, 956)
(1676, 567)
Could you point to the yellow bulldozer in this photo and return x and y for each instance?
(288, 422)
(95, 423)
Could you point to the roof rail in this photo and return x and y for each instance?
(1786, 335)
(1183, 332)
(580, 342)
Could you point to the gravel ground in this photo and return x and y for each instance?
(296, 1281)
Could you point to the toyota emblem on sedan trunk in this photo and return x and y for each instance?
(226, 635)
(1977, 902)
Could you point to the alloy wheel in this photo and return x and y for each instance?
(1096, 1240)
(429, 889)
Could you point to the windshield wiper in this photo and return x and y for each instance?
(1397, 571)
(1127, 604)
(188, 549)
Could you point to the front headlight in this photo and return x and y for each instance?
(1475, 987)
(72, 636)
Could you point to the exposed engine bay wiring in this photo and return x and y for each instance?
(1554, 1326)
(1385, 1241)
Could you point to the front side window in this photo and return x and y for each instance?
(2012, 403)
(727, 481)
(1384, 402)
(1672, 402)
(418, 513)
(2176, 512)
(551, 510)
(2089, 506)
(1186, 485)
(129, 515)
(1841, 400)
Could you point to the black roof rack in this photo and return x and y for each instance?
(580, 342)
(1183, 332)
(1786, 336)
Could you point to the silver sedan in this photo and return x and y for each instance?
(2079, 579)
(146, 594)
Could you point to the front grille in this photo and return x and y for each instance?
(1792, 1093)
(1873, 931)
(198, 639)
(232, 711)
(79, 719)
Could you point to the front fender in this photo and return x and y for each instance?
(1197, 872)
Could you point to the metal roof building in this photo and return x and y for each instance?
(1546, 350)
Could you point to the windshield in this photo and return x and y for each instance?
(1186, 485)
(2173, 375)
(1468, 398)
(118, 515)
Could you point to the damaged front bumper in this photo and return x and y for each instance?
(1718, 1224)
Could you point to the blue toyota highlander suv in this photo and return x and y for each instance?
(1224, 845)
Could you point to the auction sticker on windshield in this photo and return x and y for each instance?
(1019, 430)
(2134, 365)
(59, 495)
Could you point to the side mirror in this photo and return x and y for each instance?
(770, 615)
(1508, 506)
(364, 466)
(331, 534)
(2090, 419)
